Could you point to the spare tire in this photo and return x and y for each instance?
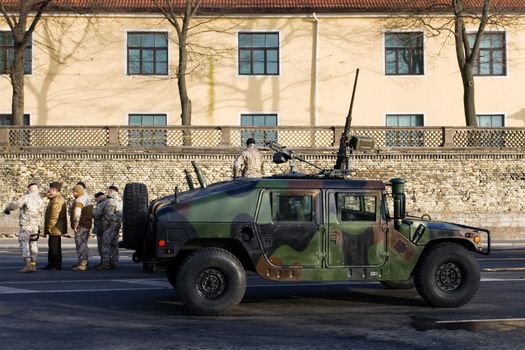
(134, 216)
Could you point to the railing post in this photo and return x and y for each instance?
(338, 132)
(225, 136)
(448, 137)
(113, 139)
(4, 137)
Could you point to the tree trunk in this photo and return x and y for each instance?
(185, 101)
(17, 82)
(469, 103)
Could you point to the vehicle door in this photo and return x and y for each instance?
(356, 231)
(288, 227)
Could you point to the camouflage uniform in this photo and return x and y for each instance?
(81, 222)
(31, 216)
(98, 228)
(248, 163)
(111, 222)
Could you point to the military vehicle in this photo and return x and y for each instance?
(296, 227)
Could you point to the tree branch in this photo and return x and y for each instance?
(38, 15)
(6, 16)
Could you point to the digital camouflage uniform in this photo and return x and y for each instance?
(248, 163)
(31, 217)
(81, 221)
(111, 222)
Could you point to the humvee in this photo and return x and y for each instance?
(296, 227)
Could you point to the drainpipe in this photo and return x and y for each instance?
(316, 69)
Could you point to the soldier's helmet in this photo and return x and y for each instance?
(250, 141)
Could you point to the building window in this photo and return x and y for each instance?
(7, 52)
(258, 53)
(147, 137)
(7, 119)
(147, 53)
(491, 120)
(259, 120)
(404, 53)
(492, 58)
(404, 138)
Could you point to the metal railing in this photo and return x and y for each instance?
(235, 136)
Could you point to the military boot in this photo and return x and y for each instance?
(82, 266)
(103, 266)
(28, 267)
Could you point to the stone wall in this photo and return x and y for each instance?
(477, 188)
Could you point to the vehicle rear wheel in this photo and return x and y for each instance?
(408, 284)
(447, 275)
(211, 281)
(134, 216)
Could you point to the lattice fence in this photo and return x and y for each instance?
(401, 137)
(168, 137)
(59, 137)
(489, 138)
(289, 137)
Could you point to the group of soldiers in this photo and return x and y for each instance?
(104, 216)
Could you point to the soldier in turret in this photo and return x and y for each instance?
(81, 221)
(249, 162)
(31, 216)
(111, 214)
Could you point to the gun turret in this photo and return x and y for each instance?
(283, 154)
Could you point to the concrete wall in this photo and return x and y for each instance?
(475, 188)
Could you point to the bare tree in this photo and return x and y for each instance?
(180, 17)
(451, 17)
(22, 28)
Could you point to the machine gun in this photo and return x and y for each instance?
(283, 154)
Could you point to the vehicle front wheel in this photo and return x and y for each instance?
(447, 275)
(211, 281)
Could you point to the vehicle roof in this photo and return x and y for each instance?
(304, 182)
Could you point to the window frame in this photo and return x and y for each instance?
(492, 115)
(402, 138)
(127, 53)
(476, 69)
(385, 61)
(27, 119)
(147, 138)
(266, 49)
(247, 134)
(28, 54)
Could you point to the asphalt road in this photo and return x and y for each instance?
(127, 309)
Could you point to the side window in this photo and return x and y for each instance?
(295, 208)
(356, 207)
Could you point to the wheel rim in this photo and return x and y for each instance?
(449, 277)
(210, 283)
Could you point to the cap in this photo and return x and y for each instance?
(114, 188)
(81, 183)
(98, 194)
(250, 141)
(55, 185)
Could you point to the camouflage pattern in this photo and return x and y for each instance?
(301, 228)
(81, 243)
(31, 218)
(98, 228)
(110, 213)
(248, 163)
(31, 208)
(28, 244)
(78, 213)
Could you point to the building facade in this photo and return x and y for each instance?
(267, 66)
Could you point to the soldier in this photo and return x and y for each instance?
(249, 162)
(111, 222)
(81, 222)
(98, 229)
(31, 216)
(55, 226)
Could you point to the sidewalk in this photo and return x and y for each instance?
(67, 242)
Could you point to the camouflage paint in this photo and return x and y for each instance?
(323, 248)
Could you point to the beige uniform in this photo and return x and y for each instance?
(248, 163)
